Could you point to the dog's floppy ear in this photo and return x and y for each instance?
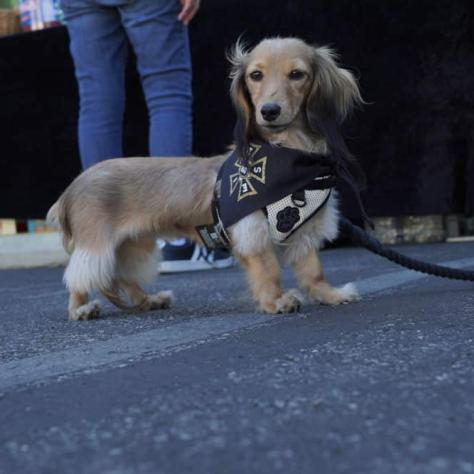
(240, 97)
(334, 91)
(333, 95)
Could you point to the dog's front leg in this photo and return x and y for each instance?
(252, 246)
(310, 275)
(263, 272)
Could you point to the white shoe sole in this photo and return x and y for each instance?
(177, 266)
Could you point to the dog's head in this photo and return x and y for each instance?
(284, 83)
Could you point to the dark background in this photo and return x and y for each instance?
(414, 60)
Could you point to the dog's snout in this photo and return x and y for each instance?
(270, 111)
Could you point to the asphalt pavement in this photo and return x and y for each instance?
(385, 385)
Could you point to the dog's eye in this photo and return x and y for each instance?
(296, 75)
(256, 76)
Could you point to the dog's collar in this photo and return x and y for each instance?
(268, 175)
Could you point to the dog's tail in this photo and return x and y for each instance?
(58, 217)
(114, 296)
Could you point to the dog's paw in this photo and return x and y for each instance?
(343, 295)
(85, 312)
(289, 302)
(162, 300)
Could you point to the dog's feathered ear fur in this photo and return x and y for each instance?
(333, 95)
(244, 129)
(334, 91)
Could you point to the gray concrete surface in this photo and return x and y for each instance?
(210, 386)
(31, 250)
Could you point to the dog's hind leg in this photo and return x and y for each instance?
(79, 308)
(310, 274)
(144, 301)
(137, 266)
(85, 272)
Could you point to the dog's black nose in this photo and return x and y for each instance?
(270, 111)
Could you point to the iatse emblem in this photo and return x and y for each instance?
(253, 170)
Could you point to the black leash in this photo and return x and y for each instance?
(349, 171)
(359, 236)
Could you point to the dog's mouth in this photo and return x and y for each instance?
(276, 127)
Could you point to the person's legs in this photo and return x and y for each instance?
(99, 49)
(161, 45)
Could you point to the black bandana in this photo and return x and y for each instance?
(267, 175)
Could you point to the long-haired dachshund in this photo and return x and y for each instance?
(286, 92)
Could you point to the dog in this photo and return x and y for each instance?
(285, 92)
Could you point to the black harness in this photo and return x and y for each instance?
(276, 176)
(288, 185)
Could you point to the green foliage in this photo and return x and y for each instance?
(8, 3)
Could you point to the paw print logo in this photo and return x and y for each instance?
(287, 218)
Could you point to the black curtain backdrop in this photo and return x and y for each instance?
(414, 60)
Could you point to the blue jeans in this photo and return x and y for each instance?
(100, 31)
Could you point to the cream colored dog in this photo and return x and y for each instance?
(285, 92)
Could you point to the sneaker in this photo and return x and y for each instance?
(184, 256)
